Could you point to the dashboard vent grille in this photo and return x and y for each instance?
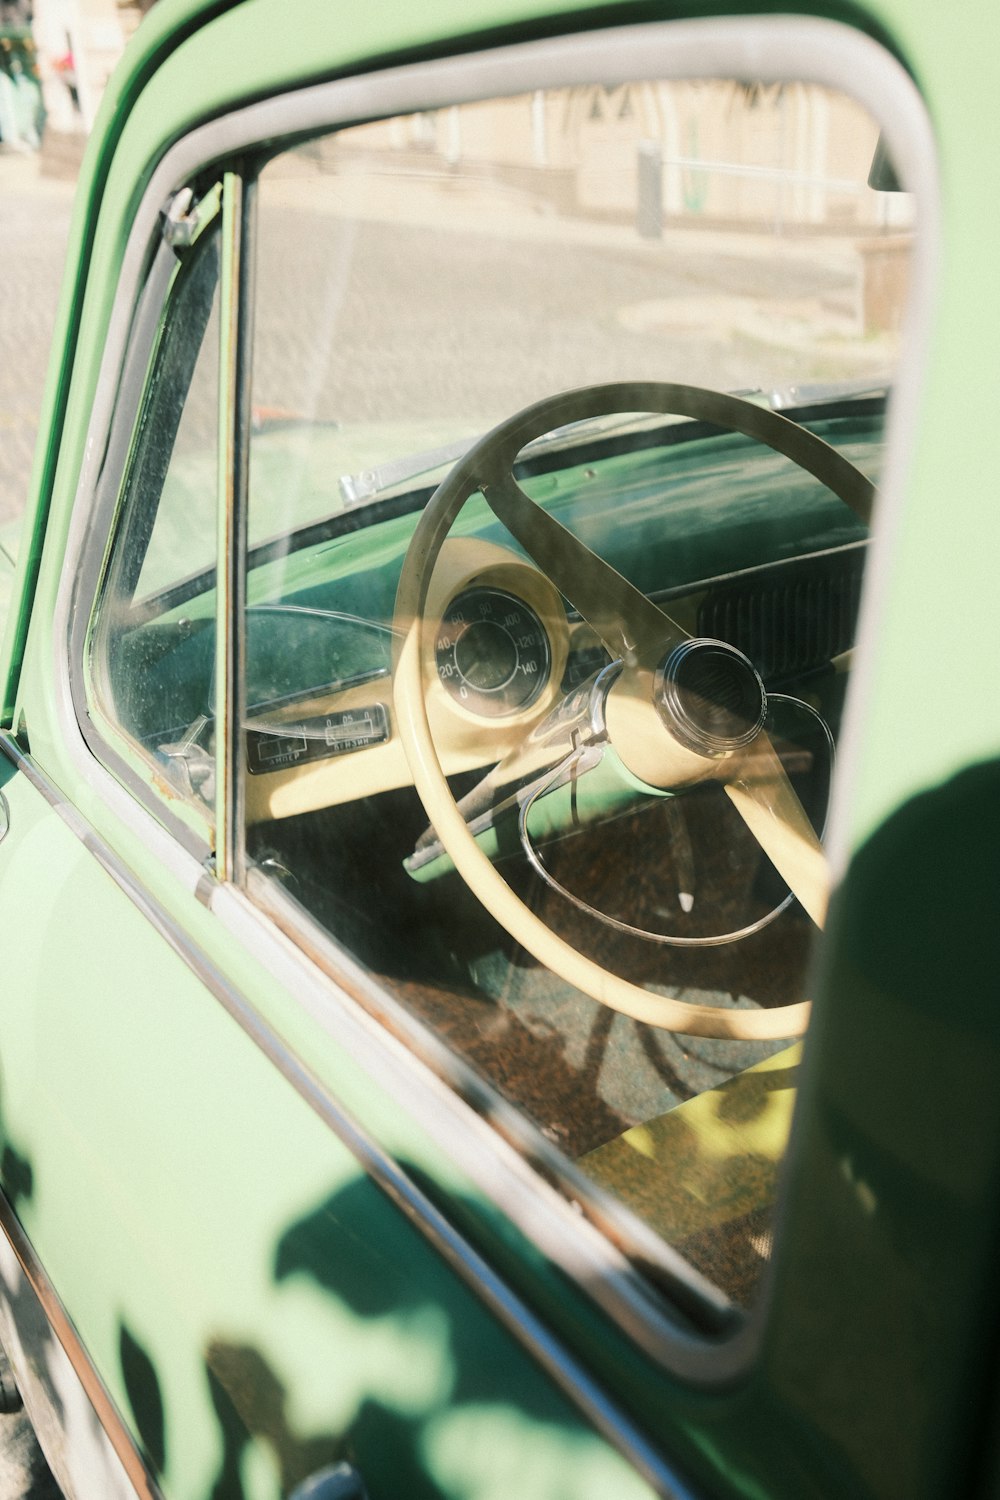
(793, 619)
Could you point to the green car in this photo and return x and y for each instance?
(499, 763)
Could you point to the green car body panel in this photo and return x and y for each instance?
(254, 1302)
(312, 1283)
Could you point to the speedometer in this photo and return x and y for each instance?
(492, 652)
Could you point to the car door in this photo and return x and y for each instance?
(311, 1162)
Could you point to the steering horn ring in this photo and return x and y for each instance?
(710, 697)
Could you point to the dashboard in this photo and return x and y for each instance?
(504, 650)
(496, 663)
(747, 553)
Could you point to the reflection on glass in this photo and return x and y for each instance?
(420, 280)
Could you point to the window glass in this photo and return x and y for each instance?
(620, 640)
(152, 648)
(567, 413)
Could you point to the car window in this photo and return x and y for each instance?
(566, 416)
(554, 764)
(152, 644)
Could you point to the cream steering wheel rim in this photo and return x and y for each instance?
(409, 688)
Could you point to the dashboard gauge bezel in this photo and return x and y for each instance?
(464, 564)
(526, 667)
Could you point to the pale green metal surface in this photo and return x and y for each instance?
(174, 1051)
(931, 708)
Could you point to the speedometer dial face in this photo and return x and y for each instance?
(492, 652)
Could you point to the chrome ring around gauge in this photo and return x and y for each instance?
(492, 652)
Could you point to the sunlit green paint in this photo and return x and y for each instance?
(951, 530)
(866, 1369)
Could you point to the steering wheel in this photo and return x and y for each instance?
(681, 710)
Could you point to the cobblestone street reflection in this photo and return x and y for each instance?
(687, 301)
(34, 228)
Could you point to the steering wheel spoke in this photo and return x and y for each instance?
(767, 802)
(629, 626)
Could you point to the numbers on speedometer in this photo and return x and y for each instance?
(492, 652)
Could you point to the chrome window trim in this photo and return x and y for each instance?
(774, 48)
(233, 457)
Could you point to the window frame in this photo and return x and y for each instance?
(441, 1088)
(153, 329)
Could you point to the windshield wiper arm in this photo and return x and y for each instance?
(819, 393)
(367, 483)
